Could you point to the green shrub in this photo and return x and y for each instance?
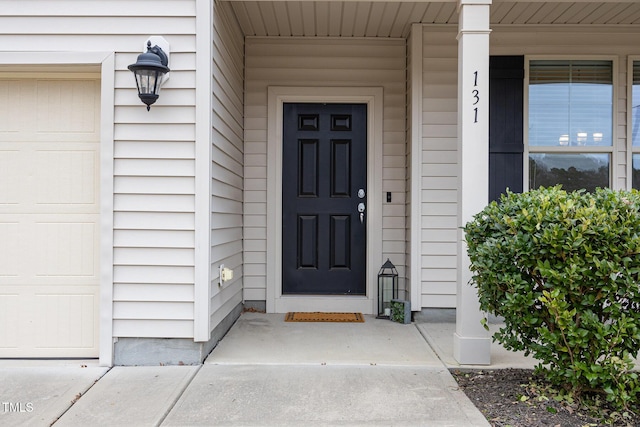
(563, 269)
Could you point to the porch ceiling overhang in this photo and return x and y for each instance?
(391, 18)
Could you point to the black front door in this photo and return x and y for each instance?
(324, 199)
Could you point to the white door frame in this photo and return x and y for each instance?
(105, 63)
(277, 96)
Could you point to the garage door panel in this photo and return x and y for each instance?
(14, 114)
(42, 249)
(65, 320)
(66, 177)
(10, 251)
(52, 324)
(18, 177)
(49, 110)
(9, 182)
(66, 106)
(9, 320)
(65, 249)
(49, 217)
(36, 179)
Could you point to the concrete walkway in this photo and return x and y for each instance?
(265, 372)
(36, 393)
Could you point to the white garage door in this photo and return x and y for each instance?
(49, 216)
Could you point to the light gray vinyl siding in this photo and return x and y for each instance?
(154, 152)
(439, 130)
(154, 188)
(322, 62)
(439, 167)
(227, 161)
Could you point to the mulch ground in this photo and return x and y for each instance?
(512, 397)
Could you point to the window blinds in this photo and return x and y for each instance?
(570, 103)
(635, 109)
(594, 72)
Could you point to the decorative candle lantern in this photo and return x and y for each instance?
(387, 288)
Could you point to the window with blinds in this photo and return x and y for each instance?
(635, 105)
(570, 123)
(635, 125)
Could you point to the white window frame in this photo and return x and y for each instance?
(631, 150)
(611, 150)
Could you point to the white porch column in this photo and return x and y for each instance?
(472, 344)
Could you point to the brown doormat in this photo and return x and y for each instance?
(324, 317)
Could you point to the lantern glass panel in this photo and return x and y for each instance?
(149, 81)
(387, 291)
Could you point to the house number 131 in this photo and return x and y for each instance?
(476, 96)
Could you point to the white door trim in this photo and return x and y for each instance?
(277, 96)
(105, 62)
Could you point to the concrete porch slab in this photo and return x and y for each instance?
(438, 325)
(267, 339)
(440, 338)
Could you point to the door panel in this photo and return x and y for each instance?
(307, 241)
(324, 166)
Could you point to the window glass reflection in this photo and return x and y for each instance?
(574, 171)
(570, 103)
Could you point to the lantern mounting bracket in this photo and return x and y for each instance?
(165, 49)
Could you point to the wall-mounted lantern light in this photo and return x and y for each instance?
(387, 288)
(149, 70)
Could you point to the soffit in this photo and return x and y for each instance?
(394, 18)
